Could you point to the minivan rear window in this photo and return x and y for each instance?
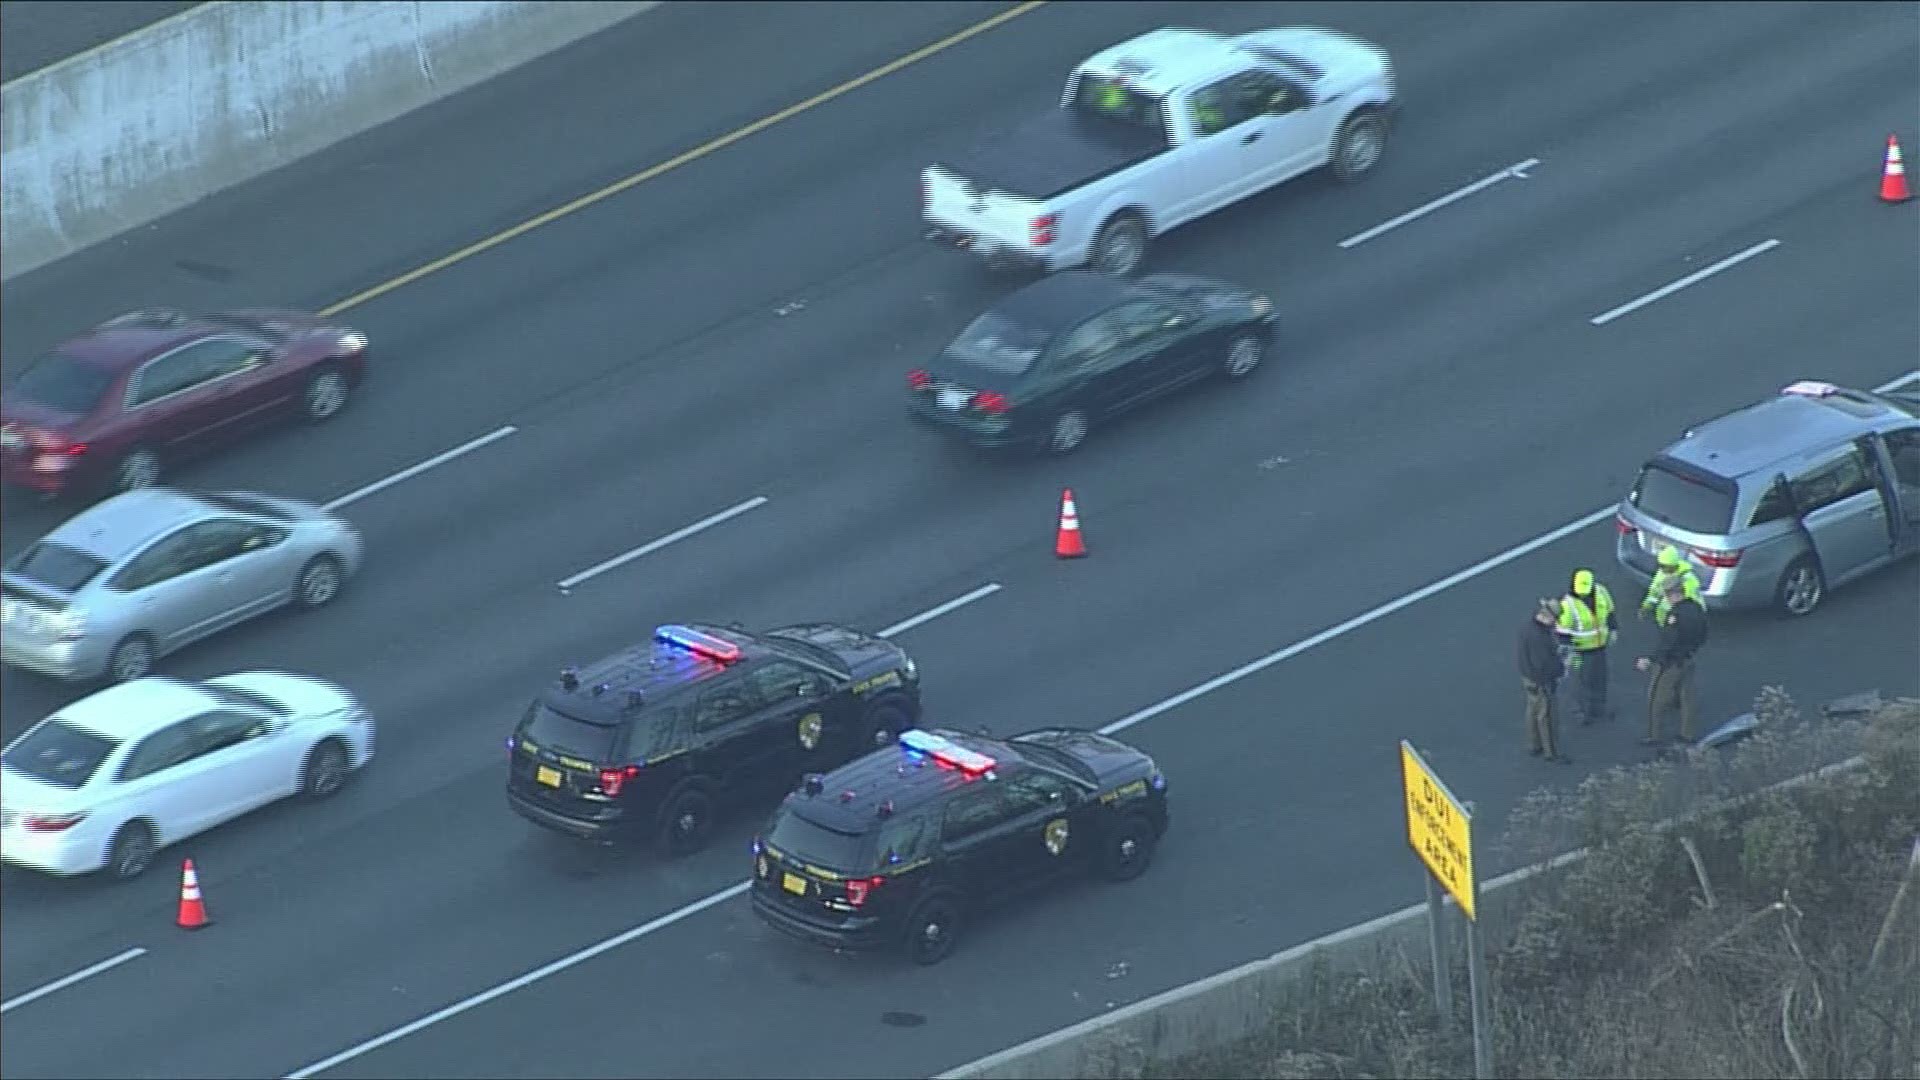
(556, 730)
(58, 565)
(1684, 502)
(59, 753)
(814, 843)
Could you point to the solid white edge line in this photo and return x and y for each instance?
(413, 471)
(1171, 703)
(58, 985)
(1667, 290)
(674, 537)
(1508, 173)
(527, 979)
(933, 613)
(1359, 621)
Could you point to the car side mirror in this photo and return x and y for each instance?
(809, 689)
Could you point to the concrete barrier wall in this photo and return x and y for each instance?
(1223, 1009)
(126, 133)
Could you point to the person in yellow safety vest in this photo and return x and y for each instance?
(1672, 565)
(1588, 622)
(1113, 98)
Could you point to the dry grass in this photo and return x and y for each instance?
(1710, 931)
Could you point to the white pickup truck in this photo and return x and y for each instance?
(1157, 131)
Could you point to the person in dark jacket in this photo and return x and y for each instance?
(1540, 671)
(1682, 633)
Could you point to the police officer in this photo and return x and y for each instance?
(1682, 631)
(1540, 670)
(1672, 566)
(1587, 619)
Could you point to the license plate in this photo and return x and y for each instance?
(549, 777)
(953, 399)
(794, 884)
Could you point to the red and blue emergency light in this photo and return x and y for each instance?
(945, 751)
(693, 641)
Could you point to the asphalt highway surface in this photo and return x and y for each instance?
(738, 328)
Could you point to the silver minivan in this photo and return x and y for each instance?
(142, 574)
(1777, 503)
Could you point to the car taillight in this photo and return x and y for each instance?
(1722, 560)
(611, 780)
(989, 402)
(858, 889)
(918, 379)
(1622, 526)
(1041, 230)
(52, 822)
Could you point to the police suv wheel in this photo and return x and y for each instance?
(686, 822)
(1801, 587)
(1129, 849)
(933, 930)
(884, 723)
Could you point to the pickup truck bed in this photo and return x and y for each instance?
(1053, 153)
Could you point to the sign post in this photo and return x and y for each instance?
(1440, 831)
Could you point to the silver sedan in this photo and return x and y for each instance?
(148, 572)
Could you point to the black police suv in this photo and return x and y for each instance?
(656, 740)
(1068, 351)
(908, 844)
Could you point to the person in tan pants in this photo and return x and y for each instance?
(1682, 631)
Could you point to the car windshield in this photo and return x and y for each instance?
(58, 565)
(245, 504)
(814, 843)
(58, 753)
(998, 344)
(556, 730)
(233, 695)
(1906, 401)
(62, 383)
(1683, 501)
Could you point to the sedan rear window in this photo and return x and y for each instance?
(557, 731)
(62, 383)
(58, 753)
(1684, 502)
(814, 843)
(58, 565)
(998, 344)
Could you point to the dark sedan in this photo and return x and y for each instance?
(109, 410)
(1068, 351)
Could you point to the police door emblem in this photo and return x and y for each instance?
(1056, 836)
(810, 727)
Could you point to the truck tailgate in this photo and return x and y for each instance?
(994, 215)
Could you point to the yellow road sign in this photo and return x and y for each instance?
(1438, 827)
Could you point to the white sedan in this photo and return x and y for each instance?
(106, 782)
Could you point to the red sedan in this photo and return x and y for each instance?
(109, 410)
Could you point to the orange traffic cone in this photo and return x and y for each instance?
(1893, 178)
(1067, 543)
(193, 912)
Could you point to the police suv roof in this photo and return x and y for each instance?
(602, 692)
(1786, 426)
(851, 797)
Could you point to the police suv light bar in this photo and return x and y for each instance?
(945, 751)
(1811, 388)
(685, 637)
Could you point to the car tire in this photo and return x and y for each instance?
(932, 930)
(319, 582)
(1801, 587)
(131, 659)
(883, 723)
(325, 394)
(1121, 245)
(1360, 145)
(1127, 851)
(686, 820)
(1066, 433)
(325, 772)
(131, 851)
(1243, 357)
(137, 468)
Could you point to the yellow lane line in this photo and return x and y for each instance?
(671, 164)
